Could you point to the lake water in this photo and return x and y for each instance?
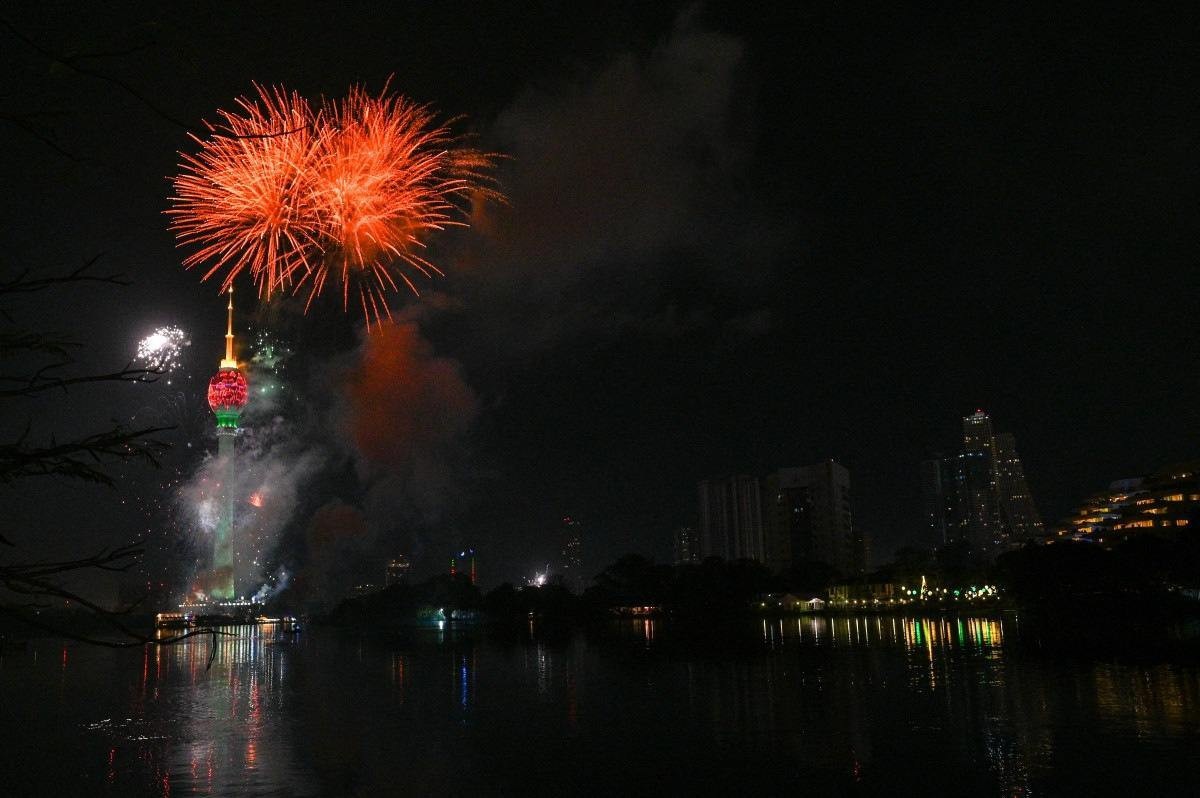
(871, 705)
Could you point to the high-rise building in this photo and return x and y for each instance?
(1017, 511)
(397, 572)
(807, 516)
(571, 554)
(731, 518)
(979, 523)
(464, 562)
(979, 496)
(227, 395)
(787, 518)
(939, 500)
(977, 431)
(687, 545)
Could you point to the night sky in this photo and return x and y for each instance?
(736, 241)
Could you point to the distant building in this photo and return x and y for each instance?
(787, 518)
(397, 571)
(1018, 514)
(979, 495)
(571, 554)
(731, 518)
(807, 516)
(1165, 504)
(862, 592)
(687, 545)
(1095, 519)
(464, 563)
(979, 523)
(939, 501)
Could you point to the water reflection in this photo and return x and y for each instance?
(817, 702)
(914, 634)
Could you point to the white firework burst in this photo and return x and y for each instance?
(161, 350)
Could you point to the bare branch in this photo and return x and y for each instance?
(41, 381)
(104, 559)
(72, 62)
(84, 458)
(229, 135)
(81, 459)
(43, 134)
(29, 341)
(25, 283)
(31, 580)
(136, 48)
(143, 640)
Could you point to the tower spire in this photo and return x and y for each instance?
(229, 362)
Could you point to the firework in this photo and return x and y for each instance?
(347, 194)
(245, 200)
(161, 349)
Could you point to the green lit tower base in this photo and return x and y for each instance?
(227, 393)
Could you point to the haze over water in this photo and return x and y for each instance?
(874, 704)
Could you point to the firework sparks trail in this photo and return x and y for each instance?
(345, 194)
(161, 350)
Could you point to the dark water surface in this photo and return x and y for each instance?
(873, 705)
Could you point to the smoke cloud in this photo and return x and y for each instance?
(339, 469)
(621, 181)
(275, 458)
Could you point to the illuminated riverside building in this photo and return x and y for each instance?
(1165, 504)
(731, 518)
(227, 395)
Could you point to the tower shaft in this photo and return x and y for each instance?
(222, 586)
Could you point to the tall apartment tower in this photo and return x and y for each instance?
(976, 466)
(687, 545)
(788, 499)
(807, 516)
(571, 554)
(1017, 510)
(977, 431)
(939, 496)
(979, 496)
(731, 518)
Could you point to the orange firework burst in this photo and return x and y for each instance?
(246, 199)
(347, 194)
(388, 177)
